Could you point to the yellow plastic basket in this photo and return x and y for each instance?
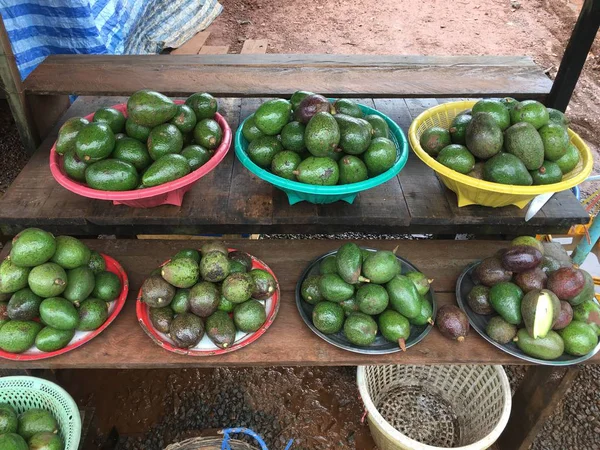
(471, 190)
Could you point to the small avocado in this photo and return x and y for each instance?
(328, 317)
(565, 316)
(434, 139)
(262, 150)
(133, 152)
(530, 111)
(18, 336)
(457, 157)
(190, 253)
(500, 330)
(379, 126)
(164, 139)
(531, 279)
(558, 117)
(587, 312)
(107, 286)
(156, 292)
(285, 163)
(540, 309)
(483, 136)
(345, 106)
(208, 134)
(310, 106)
(509, 102)
(196, 156)
(555, 139)
(297, 97)
(137, 131)
(8, 419)
(32, 247)
(587, 293)
(94, 142)
(204, 105)
(264, 284)
(528, 240)
(272, 115)
(214, 246)
(204, 299)
(50, 339)
(167, 168)
(46, 441)
(214, 266)
(355, 134)
(35, 421)
(333, 288)
(184, 119)
(238, 287)
(59, 313)
(161, 318)
(491, 271)
(249, 316)
(181, 272)
(403, 296)
(112, 175)
(372, 299)
(12, 441)
(242, 257)
(569, 160)
(352, 170)
(360, 329)
(494, 108)
(520, 258)
(321, 171)
(381, 266)
(328, 265)
(425, 316)
(220, 329)
(12, 277)
(322, 135)
(292, 137)
(47, 280)
(93, 312)
(452, 322)
(81, 283)
(150, 108)
(111, 117)
(251, 131)
(67, 134)
(310, 290)
(74, 167)
(566, 282)
(479, 300)
(181, 301)
(421, 282)
(70, 252)
(186, 330)
(506, 168)
(458, 128)
(394, 327)
(348, 262)
(380, 156)
(23, 305)
(505, 298)
(549, 173)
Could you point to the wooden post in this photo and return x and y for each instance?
(11, 80)
(534, 401)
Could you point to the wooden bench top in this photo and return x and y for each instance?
(380, 76)
(232, 200)
(288, 341)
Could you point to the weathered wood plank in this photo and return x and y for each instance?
(275, 75)
(193, 46)
(289, 341)
(214, 50)
(255, 46)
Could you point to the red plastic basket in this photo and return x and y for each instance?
(272, 306)
(170, 193)
(81, 337)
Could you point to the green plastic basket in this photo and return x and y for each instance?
(24, 393)
(298, 192)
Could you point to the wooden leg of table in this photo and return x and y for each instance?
(534, 401)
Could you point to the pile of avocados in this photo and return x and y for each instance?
(309, 140)
(505, 141)
(214, 292)
(539, 301)
(51, 287)
(158, 142)
(34, 429)
(359, 292)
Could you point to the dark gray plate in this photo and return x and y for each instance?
(479, 322)
(381, 345)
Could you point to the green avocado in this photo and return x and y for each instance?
(372, 299)
(272, 115)
(496, 109)
(249, 316)
(381, 266)
(18, 336)
(310, 290)
(164, 139)
(250, 130)
(298, 96)
(59, 313)
(394, 327)
(506, 168)
(458, 128)
(186, 330)
(333, 288)
(208, 134)
(530, 111)
(107, 286)
(322, 134)
(379, 126)
(204, 105)
(555, 139)
(328, 317)
(12, 278)
(12, 441)
(96, 263)
(81, 282)
(285, 163)
(220, 329)
(292, 136)
(355, 134)
(360, 329)
(569, 160)
(71, 252)
(549, 173)
(34, 421)
(165, 169)
(262, 150)
(50, 339)
(181, 301)
(237, 287)
(352, 170)
(150, 108)
(321, 171)
(181, 272)
(425, 316)
(92, 314)
(132, 151)
(8, 419)
(505, 298)
(524, 141)
(32, 247)
(434, 139)
(348, 262)
(111, 117)
(112, 175)
(214, 266)
(137, 131)
(185, 119)
(74, 167)
(67, 134)
(404, 297)
(509, 102)
(547, 348)
(46, 441)
(457, 157)
(556, 116)
(483, 136)
(196, 156)
(328, 265)
(23, 305)
(94, 142)
(345, 106)
(47, 280)
(380, 156)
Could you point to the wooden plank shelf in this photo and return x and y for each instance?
(232, 200)
(289, 341)
(274, 75)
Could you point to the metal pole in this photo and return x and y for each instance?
(575, 55)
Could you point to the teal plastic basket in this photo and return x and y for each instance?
(24, 393)
(298, 192)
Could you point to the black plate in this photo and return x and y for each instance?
(479, 322)
(381, 346)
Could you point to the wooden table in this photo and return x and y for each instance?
(232, 200)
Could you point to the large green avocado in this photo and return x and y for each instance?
(322, 134)
(68, 133)
(112, 175)
(321, 171)
(94, 142)
(524, 141)
(164, 139)
(272, 115)
(355, 134)
(150, 108)
(483, 136)
(506, 168)
(32, 247)
(167, 168)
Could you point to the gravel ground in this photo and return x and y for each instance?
(12, 155)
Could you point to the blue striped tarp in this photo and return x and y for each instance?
(38, 28)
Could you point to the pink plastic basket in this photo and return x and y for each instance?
(170, 193)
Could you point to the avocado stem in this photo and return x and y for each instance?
(296, 172)
(430, 321)
(402, 344)
(396, 249)
(362, 279)
(430, 280)
(460, 338)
